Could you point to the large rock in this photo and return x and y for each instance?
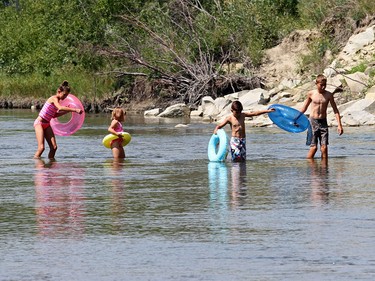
(355, 113)
(252, 97)
(209, 107)
(224, 113)
(289, 83)
(371, 108)
(197, 113)
(356, 82)
(371, 94)
(334, 84)
(221, 103)
(152, 112)
(331, 71)
(176, 110)
(359, 48)
(358, 41)
(358, 118)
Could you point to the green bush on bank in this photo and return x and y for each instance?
(36, 85)
(47, 41)
(313, 13)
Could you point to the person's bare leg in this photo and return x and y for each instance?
(311, 152)
(324, 151)
(39, 133)
(118, 151)
(51, 140)
(122, 152)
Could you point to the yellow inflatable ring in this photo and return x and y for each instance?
(126, 138)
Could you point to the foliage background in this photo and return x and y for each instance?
(101, 45)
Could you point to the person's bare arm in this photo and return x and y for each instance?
(111, 128)
(61, 113)
(64, 109)
(256, 113)
(307, 102)
(340, 130)
(222, 124)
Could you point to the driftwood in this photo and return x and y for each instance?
(184, 79)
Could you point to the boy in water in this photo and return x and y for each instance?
(319, 99)
(237, 124)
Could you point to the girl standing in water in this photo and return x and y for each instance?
(118, 116)
(51, 109)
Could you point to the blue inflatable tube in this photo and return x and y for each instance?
(218, 146)
(288, 118)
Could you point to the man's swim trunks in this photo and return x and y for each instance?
(319, 131)
(238, 149)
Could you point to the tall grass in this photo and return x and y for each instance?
(36, 85)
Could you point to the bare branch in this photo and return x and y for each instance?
(186, 78)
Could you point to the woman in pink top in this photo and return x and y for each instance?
(118, 116)
(51, 109)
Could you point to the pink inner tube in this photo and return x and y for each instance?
(76, 120)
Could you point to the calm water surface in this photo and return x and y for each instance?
(166, 213)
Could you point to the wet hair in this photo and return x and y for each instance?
(237, 106)
(118, 113)
(64, 87)
(320, 78)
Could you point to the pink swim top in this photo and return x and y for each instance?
(118, 127)
(48, 111)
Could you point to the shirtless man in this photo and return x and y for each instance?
(319, 99)
(237, 124)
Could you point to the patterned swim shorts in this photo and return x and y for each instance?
(319, 131)
(238, 149)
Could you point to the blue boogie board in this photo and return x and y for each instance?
(288, 118)
(218, 146)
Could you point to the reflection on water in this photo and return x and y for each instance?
(116, 184)
(239, 183)
(319, 181)
(226, 195)
(218, 184)
(59, 198)
(323, 178)
(218, 178)
(223, 193)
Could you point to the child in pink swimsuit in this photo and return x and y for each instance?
(118, 116)
(51, 109)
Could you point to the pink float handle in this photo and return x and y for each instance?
(75, 122)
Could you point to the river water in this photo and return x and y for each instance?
(166, 213)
